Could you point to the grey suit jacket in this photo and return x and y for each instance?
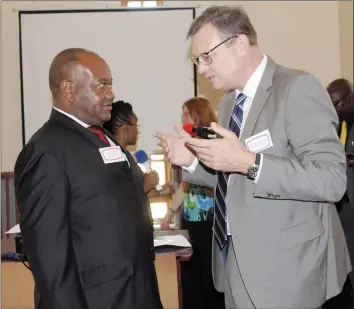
(288, 240)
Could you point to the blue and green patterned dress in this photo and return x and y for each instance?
(198, 203)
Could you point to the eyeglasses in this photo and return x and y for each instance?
(204, 58)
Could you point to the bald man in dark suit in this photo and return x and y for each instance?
(83, 219)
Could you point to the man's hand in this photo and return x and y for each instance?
(150, 180)
(165, 223)
(222, 154)
(167, 188)
(174, 147)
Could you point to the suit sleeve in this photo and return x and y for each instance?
(43, 193)
(201, 176)
(316, 172)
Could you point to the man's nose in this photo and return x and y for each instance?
(110, 94)
(202, 68)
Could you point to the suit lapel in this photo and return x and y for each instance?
(138, 176)
(92, 138)
(133, 173)
(72, 124)
(259, 100)
(254, 112)
(86, 134)
(257, 106)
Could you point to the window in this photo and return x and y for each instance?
(158, 210)
(158, 164)
(159, 204)
(138, 4)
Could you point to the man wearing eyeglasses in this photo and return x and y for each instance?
(341, 93)
(277, 168)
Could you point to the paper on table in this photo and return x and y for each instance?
(14, 230)
(171, 240)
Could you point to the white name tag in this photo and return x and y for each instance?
(112, 154)
(259, 142)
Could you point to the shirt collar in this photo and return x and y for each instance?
(72, 117)
(253, 82)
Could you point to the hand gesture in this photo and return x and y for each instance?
(174, 147)
(222, 154)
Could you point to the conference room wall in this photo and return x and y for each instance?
(346, 38)
(300, 34)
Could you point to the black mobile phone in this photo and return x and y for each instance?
(204, 132)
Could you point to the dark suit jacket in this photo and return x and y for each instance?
(84, 223)
(349, 148)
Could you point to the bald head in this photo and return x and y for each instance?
(341, 93)
(64, 66)
(81, 85)
(340, 86)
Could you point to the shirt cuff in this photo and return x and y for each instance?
(259, 170)
(191, 168)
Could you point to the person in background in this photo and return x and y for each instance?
(278, 168)
(124, 126)
(86, 239)
(341, 93)
(197, 217)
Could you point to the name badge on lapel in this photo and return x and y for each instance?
(112, 154)
(260, 141)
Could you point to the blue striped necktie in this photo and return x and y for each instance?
(220, 226)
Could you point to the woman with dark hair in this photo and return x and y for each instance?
(197, 204)
(124, 127)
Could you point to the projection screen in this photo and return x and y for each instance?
(146, 50)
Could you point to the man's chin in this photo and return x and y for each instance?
(217, 85)
(105, 117)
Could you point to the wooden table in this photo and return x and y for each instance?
(18, 285)
(168, 268)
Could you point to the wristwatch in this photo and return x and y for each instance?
(254, 167)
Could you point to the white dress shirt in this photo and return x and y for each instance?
(249, 90)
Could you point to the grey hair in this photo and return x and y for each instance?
(228, 20)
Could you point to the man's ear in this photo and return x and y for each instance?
(242, 43)
(67, 89)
